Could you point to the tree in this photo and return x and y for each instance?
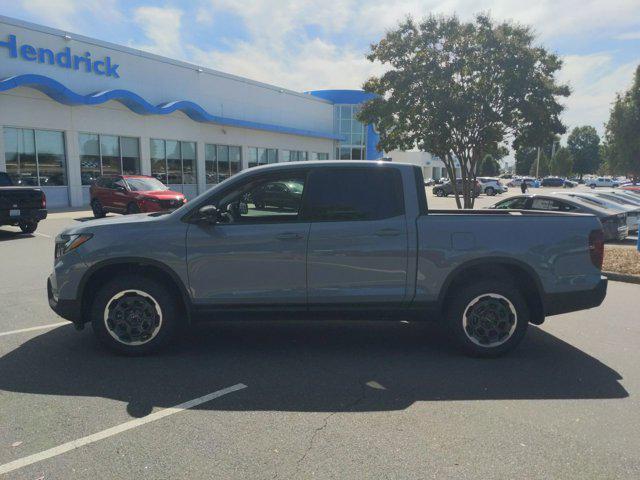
(622, 132)
(584, 146)
(457, 90)
(525, 158)
(490, 166)
(561, 163)
(543, 169)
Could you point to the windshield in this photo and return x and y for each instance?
(145, 184)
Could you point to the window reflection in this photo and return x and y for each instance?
(107, 154)
(35, 157)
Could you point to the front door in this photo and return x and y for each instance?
(255, 255)
(358, 240)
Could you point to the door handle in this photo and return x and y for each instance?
(289, 236)
(388, 232)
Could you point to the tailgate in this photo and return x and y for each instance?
(20, 198)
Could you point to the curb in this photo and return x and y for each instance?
(622, 277)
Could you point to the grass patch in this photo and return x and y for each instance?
(621, 260)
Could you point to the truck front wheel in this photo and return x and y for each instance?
(487, 319)
(134, 315)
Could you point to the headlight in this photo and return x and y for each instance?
(67, 243)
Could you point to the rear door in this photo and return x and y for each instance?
(358, 245)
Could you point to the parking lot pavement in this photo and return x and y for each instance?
(322, 400)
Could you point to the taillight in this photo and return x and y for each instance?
(43, 200)
(596, 248)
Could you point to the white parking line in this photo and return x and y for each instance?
(42, 235)
(31, 329)
(109, 432)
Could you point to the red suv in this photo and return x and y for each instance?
(132, 194)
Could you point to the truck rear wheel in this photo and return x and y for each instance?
(28, 227)
(134, 315)
(487, 319)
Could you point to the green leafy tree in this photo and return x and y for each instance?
(489, 167)
(561, 163)
(584, 146)
(459, 89)
(622, 132)
(543, 169)
(525, 158)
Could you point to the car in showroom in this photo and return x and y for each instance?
(491, 186)
(130, 194)
(614, 222)
(362, 243)
(446, 188)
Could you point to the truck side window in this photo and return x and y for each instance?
(274, 199)
(349, 194)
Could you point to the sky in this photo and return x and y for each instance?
(318, 44)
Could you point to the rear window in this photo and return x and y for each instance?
(351, 194)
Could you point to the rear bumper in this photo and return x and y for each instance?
(557, 303)
(31, 215)
(67, 309)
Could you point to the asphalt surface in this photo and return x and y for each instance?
(322, 400)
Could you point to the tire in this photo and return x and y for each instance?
(132, 209)
(140, 331)
(28, 227)
(593, 185)
(98, 210)
(496, 333)
(440, 193)
(490, 191)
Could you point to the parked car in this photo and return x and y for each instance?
(429, 182)
(531, 182)
(491, 186)
(601, 182)
(614, 223)
(21, 206)
(278, 194)
(132, 194)
(362, 244)
(446, 189)
(632, 211)
(635, 188)
(570, 184)
(626, 197)
(552, 182)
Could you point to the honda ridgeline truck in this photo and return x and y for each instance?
(353, 240)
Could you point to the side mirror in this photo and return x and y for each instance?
(208, 213)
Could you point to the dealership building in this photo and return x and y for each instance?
(73, 108)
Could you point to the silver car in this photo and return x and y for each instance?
(614, 222)
(632, 211)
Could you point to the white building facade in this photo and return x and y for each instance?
(432, 166)
(73, 108)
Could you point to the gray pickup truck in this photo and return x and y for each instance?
(346, 240)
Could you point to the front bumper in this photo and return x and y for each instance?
(67, 309)
(31, 215)
(557, 303)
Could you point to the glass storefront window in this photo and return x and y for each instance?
(173, 162)
(352, 147)
(222, 161)
(35, 157)
(107, 155)
(262, 156)
(319, 156)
